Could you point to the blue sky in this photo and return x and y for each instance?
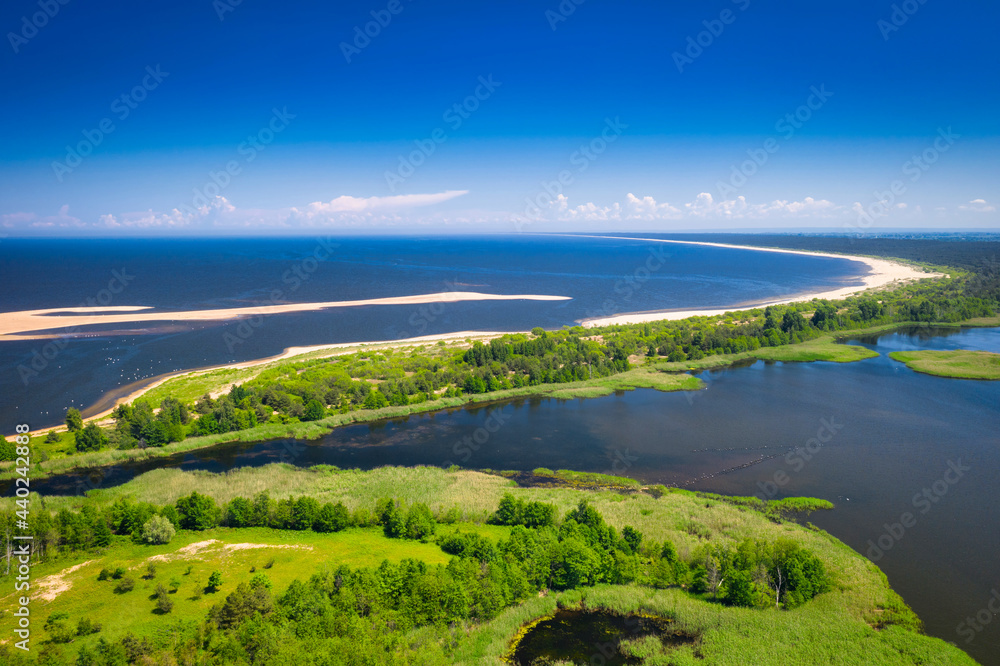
(597, 115)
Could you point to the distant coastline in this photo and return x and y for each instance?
(883, 272)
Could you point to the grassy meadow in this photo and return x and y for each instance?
(957, 363)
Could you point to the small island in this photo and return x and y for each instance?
(957, 363)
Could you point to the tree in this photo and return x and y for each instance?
(239, 512)
(102, 533)
(376, 400)
(792, 321)
(419, 522)
(214, 581)
(74, 422)
(197, 512)
(91, 438)
(332, 518)
(158, 530)
(52, 438)
(314, 411)
(632, 537)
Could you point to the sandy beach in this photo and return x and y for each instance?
(14, 324)
(882, 273)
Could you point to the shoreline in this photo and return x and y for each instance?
(288, 352)
(882, 272)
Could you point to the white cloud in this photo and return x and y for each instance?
(978, 206)
(704, 206)
(221, 213)
(349, 204)
(62, 219)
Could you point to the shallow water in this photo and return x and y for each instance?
(590, 637)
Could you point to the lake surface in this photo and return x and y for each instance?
(602, 277)
(890, 433)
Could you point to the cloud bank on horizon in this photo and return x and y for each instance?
(541, 214)
(271, 118)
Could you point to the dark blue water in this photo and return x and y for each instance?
(889, 434)
(602, 276)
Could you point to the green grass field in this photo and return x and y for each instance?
(958, 363)
(852, 624)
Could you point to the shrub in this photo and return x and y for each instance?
(158, 530)
(59, 628)
(164, 604)
(214, 581)
(126, 584)
(85, 627)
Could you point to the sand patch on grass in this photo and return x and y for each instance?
(52, 586)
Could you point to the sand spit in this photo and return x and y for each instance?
(14, 323)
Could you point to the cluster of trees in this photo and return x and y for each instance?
(137, 426)
(950, 300)
(753, 574)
